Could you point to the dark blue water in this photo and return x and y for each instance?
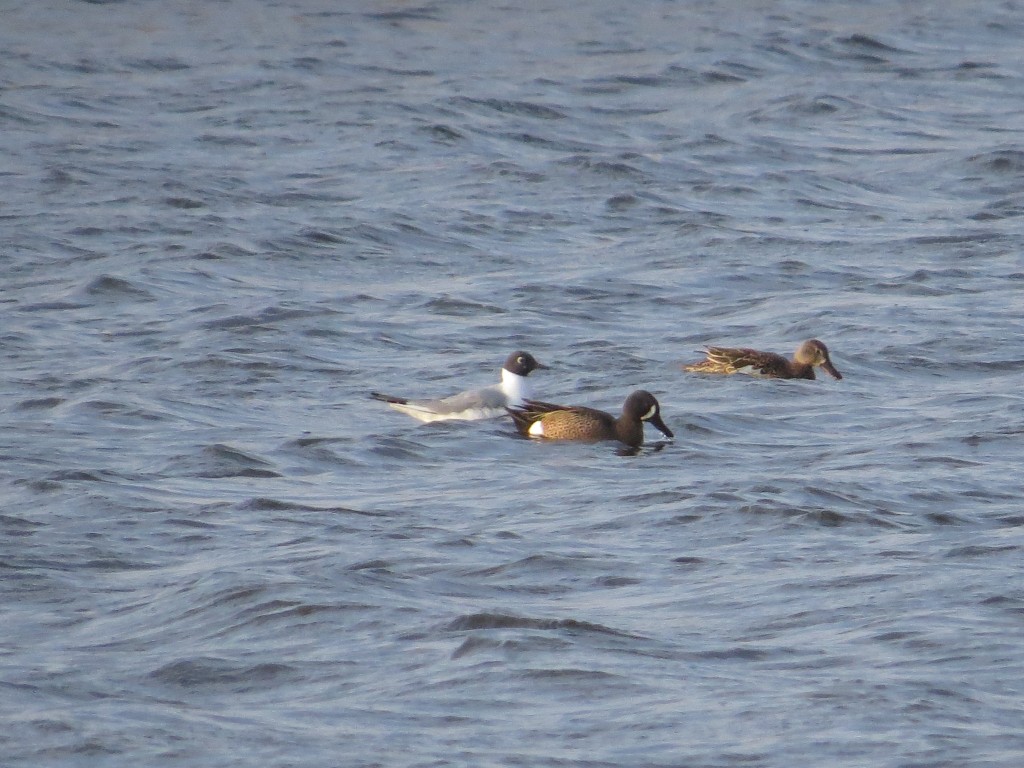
(223, 224)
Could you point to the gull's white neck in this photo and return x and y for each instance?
(515, 387)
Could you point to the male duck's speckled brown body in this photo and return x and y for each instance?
(727, 360)
(576, 422)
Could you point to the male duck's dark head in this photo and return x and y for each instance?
(642, 405)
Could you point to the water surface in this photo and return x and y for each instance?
(223, 225)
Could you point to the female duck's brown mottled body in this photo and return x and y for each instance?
(576, 422)
(727, 360)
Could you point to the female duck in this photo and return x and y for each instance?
(728, 360)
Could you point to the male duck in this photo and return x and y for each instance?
(576, 422)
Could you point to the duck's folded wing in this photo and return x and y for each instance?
(752, 361)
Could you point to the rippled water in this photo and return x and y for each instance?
(224, 224)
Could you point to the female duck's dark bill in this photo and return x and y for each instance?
(830, 369)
